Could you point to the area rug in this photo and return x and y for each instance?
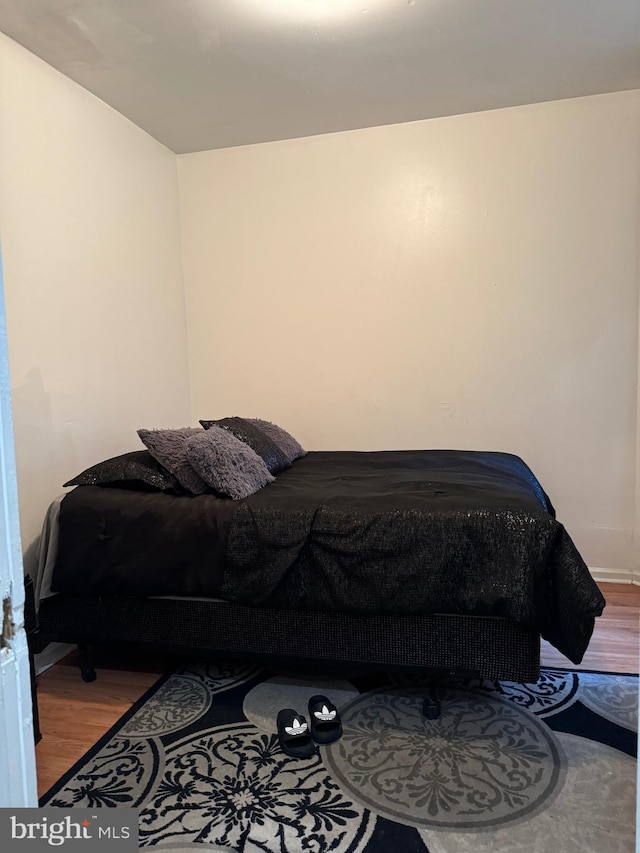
(506, 767)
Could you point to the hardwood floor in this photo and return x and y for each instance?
(74, 715)
(615, 644)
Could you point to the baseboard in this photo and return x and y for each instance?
(603, 575)
(51, 654)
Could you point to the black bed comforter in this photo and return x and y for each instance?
(380, 532)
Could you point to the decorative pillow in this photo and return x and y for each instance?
(169, 447)
(274, 458)
(227, 464)
(135, 470)
(291, 448)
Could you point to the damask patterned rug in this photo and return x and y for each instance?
(528, 768)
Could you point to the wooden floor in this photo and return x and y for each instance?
(74, 715)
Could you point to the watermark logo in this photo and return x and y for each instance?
(37, 830)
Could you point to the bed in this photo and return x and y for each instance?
(443, 560)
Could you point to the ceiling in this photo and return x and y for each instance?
(202, 74)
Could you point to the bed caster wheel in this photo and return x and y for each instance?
(431, 708)
(88, 674)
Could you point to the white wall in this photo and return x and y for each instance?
(90, 229)
(466, 282)
(460, 282)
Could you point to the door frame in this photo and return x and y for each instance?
(18, 780)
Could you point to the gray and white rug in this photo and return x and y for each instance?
(528, 768)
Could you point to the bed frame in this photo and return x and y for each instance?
(471, 646)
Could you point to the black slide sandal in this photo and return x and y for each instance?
(294, 735)
(326, 726)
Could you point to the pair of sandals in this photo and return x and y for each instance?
(297, 738)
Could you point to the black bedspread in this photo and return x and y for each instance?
(382, 532)
(122, 542)
(413, 531)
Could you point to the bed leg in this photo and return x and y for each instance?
(431, 706)
(87, 671)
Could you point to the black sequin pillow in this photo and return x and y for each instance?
(136, 470)
(291, 448)
(273, 456)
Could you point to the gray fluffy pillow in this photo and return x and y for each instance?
(169, 447)
(227, 464)
(291, 448)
